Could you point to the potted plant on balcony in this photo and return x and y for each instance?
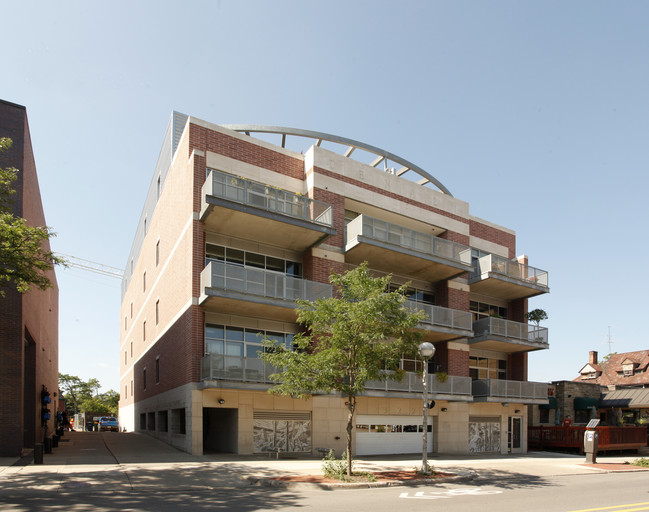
(536, 315)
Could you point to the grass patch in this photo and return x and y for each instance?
(644, 462)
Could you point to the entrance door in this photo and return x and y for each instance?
(514, 435)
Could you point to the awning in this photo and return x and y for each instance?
(552, 404)
(626, 397)
(583, 402)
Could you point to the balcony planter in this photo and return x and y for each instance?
(442, 377)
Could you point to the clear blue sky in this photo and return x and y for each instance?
(536, 113)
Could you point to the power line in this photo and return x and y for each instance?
(92, 266)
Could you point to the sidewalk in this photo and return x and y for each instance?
(123, 462)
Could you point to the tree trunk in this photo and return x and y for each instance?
(351, 406)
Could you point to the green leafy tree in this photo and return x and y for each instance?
(24, 261)
(350, 339)
(83, 396)
(536, 316)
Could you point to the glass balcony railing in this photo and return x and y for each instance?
(262, 283)
(407, 238)
(443, 317)
(508, 329)
(509, 268)
(265, 197)
(509, 389)
(241, 369)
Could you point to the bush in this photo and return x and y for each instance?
(641, 462)
(333, 467)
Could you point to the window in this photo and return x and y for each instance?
(125, 323)
(236, 342)
(158, 187)
(131, 349)
(144, 331)
(144, 378)
(157, 253)
(144, 281)
(162, 421)
(145, 225)
(142, 421)
(125, 357)
(131, 387)
(178, 421)
(250, 259)
(131, 310)
(416, 295)
(125, 392)
(486, 368)
(157, 311)
(150, 424)
(157, 370)
(483, 310)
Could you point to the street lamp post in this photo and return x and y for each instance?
(426, 351)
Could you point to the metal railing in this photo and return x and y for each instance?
(260, 282)
(508, 329)
(404, 237)
(510, 268)
(509, 389)
(411, 383)
(266, 197)
(240, 369)
(441, 316)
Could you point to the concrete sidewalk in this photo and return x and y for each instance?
(124, 462)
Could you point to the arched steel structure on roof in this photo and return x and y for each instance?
(381, 154)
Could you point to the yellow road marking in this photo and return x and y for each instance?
(617, 506)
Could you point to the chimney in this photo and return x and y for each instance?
(592, 357)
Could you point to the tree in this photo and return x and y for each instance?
(84, 395)
(536, 315)
(24, 261)
(350, 339)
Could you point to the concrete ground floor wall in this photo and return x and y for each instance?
(202, 420)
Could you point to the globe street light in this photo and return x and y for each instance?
(426, 351)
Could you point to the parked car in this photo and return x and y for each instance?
(108, 423)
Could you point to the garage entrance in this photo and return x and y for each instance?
(382, 435)
(220, 427)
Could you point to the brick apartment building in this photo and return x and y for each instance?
(29, 358)
(235, 228)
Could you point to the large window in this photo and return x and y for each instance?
(481, 310)
(486, 368)
(416, 295)
(250, 259)
(239, 342)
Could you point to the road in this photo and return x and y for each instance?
(106, 472)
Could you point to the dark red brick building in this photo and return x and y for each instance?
(29, 348)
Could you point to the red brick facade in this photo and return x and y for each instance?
(28, 323)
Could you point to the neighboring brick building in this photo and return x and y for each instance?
(629, 369)
(235, 228)
(28, 323)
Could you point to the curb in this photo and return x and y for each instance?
(287, 484)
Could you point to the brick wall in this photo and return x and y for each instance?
(491, 234)
(517, 366)
(458, 363)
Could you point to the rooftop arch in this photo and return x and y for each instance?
(350, 145)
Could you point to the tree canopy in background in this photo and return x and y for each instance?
(84, 396)
(357, 336)
(24, 261)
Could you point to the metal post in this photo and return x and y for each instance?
(426, 350)
(424, 448)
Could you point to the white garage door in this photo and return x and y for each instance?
(379, 435)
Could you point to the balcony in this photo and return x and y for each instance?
(525, 392)
(251, 291)
(388, 247)
(497, 276)
(235, 368)
(452, 388)
(247, 209)
(442, 324)
(508, 336)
